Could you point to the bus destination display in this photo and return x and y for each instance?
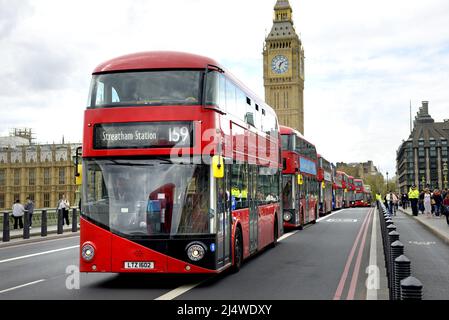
(143, 135)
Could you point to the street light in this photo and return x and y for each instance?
(387, 181)
(445, 170)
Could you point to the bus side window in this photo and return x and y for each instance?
(230, 98)
(100, 94)
(222, 92)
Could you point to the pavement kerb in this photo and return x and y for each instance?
(436, 232)
(52, 235)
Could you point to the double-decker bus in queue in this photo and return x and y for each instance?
(181, 168)
(343, 177)
(300, 186)
(359, 193)
(368, 195)
(337, 189)
(325, 180)
(351, 191)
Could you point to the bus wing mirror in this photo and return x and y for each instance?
(218, 167)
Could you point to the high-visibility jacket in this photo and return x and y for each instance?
(378, 197)
(413, 194)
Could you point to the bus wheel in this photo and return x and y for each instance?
(238, 250)
(275, 234)
(314, 221)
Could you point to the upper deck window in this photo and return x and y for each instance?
(286, 142)
(173, 87)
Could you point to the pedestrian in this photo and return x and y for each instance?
(444, 193)
(17, 212)
(29, 207)
(446, 207)
(395, 202)
(404, 200)
(438, 199)
(64, 205)
(427, 203)
(421, 201)
(413, 196)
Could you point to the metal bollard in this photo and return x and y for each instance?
(402, 270)
(44, 223)
(393, 236)
(60, 222)
(411, 289)
(390, 228)
(6, 233)
(74, 221)
(396, 250)
(26, 225)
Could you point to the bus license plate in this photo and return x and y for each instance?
(139, 265)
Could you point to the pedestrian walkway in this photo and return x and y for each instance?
(428, 252)
(437, 225)
(16, 236)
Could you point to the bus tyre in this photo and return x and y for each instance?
(301, 221)
(314, 221)
(275, 234)
(238, 250)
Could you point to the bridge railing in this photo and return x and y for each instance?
(41, 218)
(402, 286)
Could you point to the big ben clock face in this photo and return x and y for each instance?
(279, 64)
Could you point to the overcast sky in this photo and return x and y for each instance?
(365, 61)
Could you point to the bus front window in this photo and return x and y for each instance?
(173, 87)
(147, 197)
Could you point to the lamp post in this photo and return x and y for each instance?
(445, 170)
(387, 181)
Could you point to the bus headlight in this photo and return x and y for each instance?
(287, 216)
(195, 251)
(88, 252)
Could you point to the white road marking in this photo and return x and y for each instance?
(38, 254)
(285, 236)
(342, 220)
(177, 292)
(422, 243)
(371, 293)
(21, 286)
(330, 215)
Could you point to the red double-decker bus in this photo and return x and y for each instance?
(337, 188)
(359, 193)
(181, 168)
(325, 180)
(300, 186)
(368, 196)
(351, 191)
(345, 188)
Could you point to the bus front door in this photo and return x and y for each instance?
(224, 220)
(253, 209)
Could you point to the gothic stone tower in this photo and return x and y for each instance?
(283, 57)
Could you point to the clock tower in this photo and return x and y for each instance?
(283, 57)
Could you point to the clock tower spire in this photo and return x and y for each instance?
(283, 57)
